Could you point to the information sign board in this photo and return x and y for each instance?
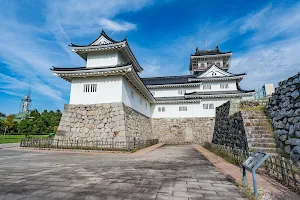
(255, 160)
(251, 164)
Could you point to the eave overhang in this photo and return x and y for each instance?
(128, 71)
(210, 56)
(225, 78)
(191, 96)
(178, 101)
(68, 75)
(173, 85)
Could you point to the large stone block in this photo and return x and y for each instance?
(293, 142)
(296, 149)
(295, 94)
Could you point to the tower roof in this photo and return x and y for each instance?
(215, 51)
(103, 39)
(105, 43)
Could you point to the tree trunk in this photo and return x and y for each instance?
(5, 132)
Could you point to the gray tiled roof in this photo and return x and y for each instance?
(86, 68)
(164, 80)
(167, 80)
(169, 98)
(239, 91)
(203, 94)
(102, 34)
(215, 51)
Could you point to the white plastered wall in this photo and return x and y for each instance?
(107, 58)
(109, 90)
(215, 86)
(138, 102)
(173, 91)
(193, 109)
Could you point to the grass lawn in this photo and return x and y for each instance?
(17, 138)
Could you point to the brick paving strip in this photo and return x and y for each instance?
(266, 184)
(176, 172)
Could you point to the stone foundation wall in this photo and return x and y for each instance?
(183, 130)
(229, 128)
(284, 110)
(137, 125)
(118, 121)
(92, 122)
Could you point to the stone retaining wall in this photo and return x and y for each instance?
(102, 121)
(183, 130)
(284, 110)
(92, 122)
(118, 121)
(229, 128)
(137, 125)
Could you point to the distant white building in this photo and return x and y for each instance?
(111, 75)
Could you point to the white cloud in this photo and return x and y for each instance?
(271, 22)
(268, 63)
(151, 70)
(108, 24)
(14, 86)
(12, 93)
(254, 21)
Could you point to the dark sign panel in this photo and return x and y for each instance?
(254, 160)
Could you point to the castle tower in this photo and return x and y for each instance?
(201, 60)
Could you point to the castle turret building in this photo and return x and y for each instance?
(109, 99)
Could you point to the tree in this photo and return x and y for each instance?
(35, 114)
(9, 123)
(2, 126)
(25, 126)
(40, 126)
(2, 114)
(36, 123)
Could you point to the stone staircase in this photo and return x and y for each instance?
(259, 132)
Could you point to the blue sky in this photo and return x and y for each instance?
(263, 35)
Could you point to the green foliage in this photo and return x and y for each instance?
(25, 126)
(35, 124)
(35, 114)
(2, 114)
(2, 126)
(224, 154)
(248, 193)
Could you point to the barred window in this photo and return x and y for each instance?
(224, 86)
(182, 108)
(152, 92)
(181, 92)
(161, 109)
(90, 88)
(208, 106)
(206, 87)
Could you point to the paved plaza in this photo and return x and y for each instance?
(169, 172)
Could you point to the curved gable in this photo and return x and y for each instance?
(214, 71)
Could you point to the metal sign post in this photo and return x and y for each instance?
(251, 164)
